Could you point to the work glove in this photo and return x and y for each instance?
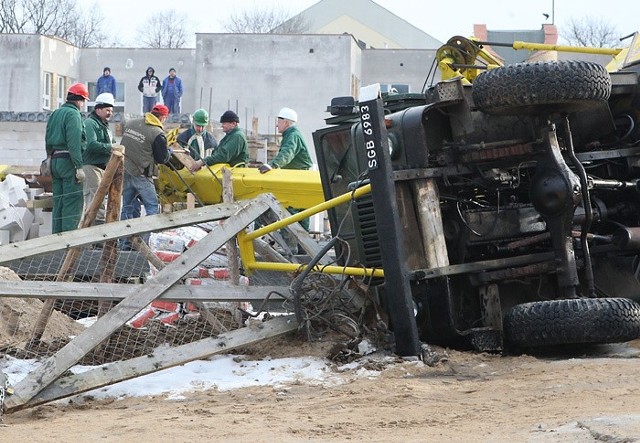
(80, 175)
(264, 168)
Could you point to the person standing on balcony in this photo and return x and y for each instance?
(150, 86)
(172, 92)
(106, 83)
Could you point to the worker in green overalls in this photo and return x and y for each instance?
(65, 141)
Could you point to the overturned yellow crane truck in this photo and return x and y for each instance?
(505, 200)
(496, 209)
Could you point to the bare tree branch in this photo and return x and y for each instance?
(165, 30)
(60, 18)
(9, 22)
(591, 32)
(264, 21)
(88, 31)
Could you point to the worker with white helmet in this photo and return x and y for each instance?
(98, 151)
(293, 154)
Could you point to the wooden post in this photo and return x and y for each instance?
(110, 247)
(117, 157)
(231, 246)
(191, 201)
(427, 198)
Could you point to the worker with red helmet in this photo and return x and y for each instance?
(65, 141)
(145, 146)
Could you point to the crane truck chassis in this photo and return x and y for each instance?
(505, 211)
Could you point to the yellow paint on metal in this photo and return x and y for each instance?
(561, 48)
(247, 252)
(3, 171)
(309, 212)
(292, 188)
(337, 270)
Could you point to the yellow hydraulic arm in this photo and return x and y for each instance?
(466, 58)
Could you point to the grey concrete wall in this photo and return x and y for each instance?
(257, 74)
(406, 66)
(22, 143)
(59, 57)
(128, 65)
(21, 72)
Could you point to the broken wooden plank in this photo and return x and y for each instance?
(56, 365)
(183, 156)
(40, 203)
(161, 358)
(221, 291)
(110, 231)
(109, 256)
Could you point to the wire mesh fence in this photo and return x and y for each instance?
(29, 331)
(122, 290)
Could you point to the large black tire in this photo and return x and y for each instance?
(541, 87)
(572, 321)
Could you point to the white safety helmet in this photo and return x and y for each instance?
(106, 98)
(289, 114)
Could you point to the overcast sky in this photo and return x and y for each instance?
(439, 19)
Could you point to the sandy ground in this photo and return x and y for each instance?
(588, 395)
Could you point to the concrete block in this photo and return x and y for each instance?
(17, 221)
(24, 219)
(34, 231)
(5, 237)
(12, 190)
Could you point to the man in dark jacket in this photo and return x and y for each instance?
(145, 145)
(172, 91)
(197, 139)
(65, 140)
(98, 151)
(150, 86)
(232, 149)
(106, 83)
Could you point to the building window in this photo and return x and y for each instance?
(394, 88)
(60, 91)
(46, 90)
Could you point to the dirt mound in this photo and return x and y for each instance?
(18, 317)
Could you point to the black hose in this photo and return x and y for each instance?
(588, 212)
(297, 283)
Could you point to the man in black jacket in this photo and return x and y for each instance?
(150, 86)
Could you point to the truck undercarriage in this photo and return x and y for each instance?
(516, 200)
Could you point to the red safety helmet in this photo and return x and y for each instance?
(79, 89)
